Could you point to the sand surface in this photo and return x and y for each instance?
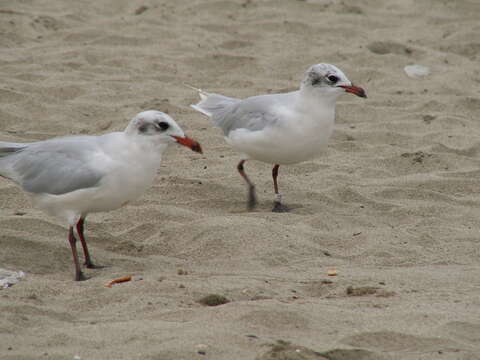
(393, 205)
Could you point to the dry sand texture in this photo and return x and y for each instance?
(393, 205)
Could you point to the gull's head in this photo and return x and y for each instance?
(159, 128)
(329, 81)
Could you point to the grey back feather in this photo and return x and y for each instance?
(254, 113)
(55, 166)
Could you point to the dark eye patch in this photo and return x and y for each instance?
(316, 81)
(143, 128)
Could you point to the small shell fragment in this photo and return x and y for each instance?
(332, 272)
(416, 71)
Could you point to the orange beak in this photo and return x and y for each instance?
(188, 142)
(356, 90)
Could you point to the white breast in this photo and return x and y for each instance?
(130, 170)
(297, 136)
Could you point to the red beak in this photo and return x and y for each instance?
(357, 90)
(188, 142)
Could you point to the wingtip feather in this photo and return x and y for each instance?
(203, 94)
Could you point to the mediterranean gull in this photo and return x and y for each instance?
(280, 129)
(71, 177)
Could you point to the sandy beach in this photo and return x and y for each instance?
(392, 206)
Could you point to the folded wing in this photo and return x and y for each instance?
(56, 166)
(254, 113)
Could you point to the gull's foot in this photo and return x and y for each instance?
(79, 276)
(252, 199)
(90, 265)
(278, 207)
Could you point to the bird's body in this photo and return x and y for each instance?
(306, 137)
(94, 175)
(71, 177)
(280, 129)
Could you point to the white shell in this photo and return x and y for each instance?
(416, 71)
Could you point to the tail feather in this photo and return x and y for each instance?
(201, 110)
(7, 148)
(203, 94)
(214, 106)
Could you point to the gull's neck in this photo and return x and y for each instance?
(131, 129)
(309, 100)
(312, 96)
(137, 143)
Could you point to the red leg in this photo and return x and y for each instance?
(275, 175)
(72, 240)
(277, 205)
(252, 200)
(80, 228)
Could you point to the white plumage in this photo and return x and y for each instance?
(280, 129)
(73, 176)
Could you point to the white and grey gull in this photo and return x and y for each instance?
(71, 177)
(280, 129)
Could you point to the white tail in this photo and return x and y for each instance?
(203, 94)
(203, 97)
(215, 106)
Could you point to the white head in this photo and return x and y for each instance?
(159, 128)
(329, 81)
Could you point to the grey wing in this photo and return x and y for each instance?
(254, 113)
(52, 167)
(8, 152)
(246, 117)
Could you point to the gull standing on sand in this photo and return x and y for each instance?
(71, 177)
(280, 129)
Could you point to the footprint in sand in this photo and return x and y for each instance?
(286, 350)
(44, 22)
(49, 255)
(273, 319)
(395, 341)
(470, 50)
(388, 47)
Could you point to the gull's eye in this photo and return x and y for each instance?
(333, 78)
(163, 125)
